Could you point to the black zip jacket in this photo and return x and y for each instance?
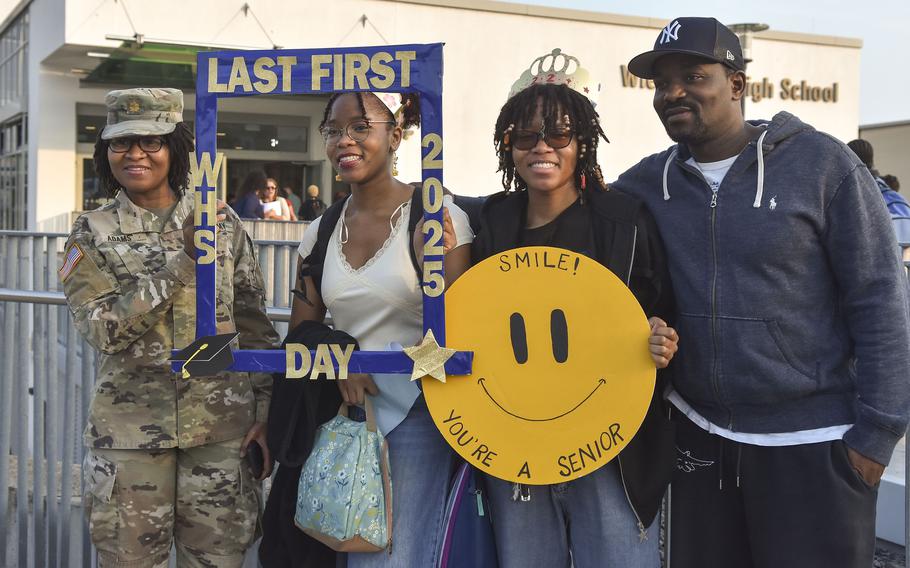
(625, 240)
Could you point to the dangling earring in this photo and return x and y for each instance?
(584, 182)
(337, 177)
(394, 164)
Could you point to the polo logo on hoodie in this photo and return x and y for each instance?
(670, 33)
(773, 204)
(687, 463)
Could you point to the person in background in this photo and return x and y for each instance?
(274, 206)
(892, 182)
(313, 207)
(898, 207)
(247, 204)
(792, 382)
(293, 200)
(164, 462)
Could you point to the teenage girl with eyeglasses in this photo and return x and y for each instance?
(373, 292)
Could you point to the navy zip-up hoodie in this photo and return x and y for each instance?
(793, 306)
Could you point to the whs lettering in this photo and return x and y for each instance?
(205, 174)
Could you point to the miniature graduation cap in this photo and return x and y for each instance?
(207, 355)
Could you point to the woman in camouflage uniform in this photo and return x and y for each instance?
(163, 464)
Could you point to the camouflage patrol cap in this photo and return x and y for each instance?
(142, 112)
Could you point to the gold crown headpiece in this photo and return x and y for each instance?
(557, 68)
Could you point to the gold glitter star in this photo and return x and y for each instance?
(429, 358)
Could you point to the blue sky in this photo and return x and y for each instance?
(883, 25)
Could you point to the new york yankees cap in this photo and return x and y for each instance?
(702, 37)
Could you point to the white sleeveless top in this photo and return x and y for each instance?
(380, 304)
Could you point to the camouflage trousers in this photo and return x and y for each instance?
(140, 502)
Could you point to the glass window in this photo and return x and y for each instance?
(14, 173)
(93, 196)
(88, 127)
(261, 137)
(13, 59)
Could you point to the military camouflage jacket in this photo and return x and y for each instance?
(131, 289)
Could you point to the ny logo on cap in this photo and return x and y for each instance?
(670, 33)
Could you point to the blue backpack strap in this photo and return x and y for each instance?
(466, 539)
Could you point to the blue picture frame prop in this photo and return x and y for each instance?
(391, 68)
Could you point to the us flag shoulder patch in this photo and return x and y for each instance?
(73, 256)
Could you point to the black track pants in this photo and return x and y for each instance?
(743, 506)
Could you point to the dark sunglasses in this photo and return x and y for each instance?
(527, 139)
(148, 144)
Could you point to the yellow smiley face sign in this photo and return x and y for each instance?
(562, 377)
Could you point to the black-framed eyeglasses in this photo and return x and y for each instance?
(527, 139)
(148, 144)
(358, 130)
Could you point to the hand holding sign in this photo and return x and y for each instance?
(663, 343)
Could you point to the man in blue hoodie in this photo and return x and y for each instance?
(792, 381)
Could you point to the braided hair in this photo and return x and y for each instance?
(556, 101)
(179, 144)
(409, 114)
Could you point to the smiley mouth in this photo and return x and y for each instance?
(600, 383)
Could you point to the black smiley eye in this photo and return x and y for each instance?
(519, 338)
(559, 335)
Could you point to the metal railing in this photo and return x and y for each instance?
(277, 259)
(47, 372)
(43, 359)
